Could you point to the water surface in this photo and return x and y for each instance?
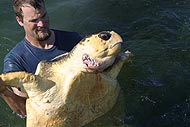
(155, 85)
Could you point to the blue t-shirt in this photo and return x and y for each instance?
(25, 57)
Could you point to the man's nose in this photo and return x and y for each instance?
(40, 23)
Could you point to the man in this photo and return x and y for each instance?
(40, 43)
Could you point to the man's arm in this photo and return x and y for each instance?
(15, 102)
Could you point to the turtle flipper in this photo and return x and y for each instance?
(16, 79)
(114, 70)
(32, 84)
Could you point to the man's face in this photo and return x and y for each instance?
(35, 23)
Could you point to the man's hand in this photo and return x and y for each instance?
(16, 103)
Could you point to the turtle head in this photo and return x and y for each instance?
(100, 50)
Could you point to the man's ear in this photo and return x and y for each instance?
(19, 20)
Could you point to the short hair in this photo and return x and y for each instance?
(18, 4)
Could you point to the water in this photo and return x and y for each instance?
(155, 85)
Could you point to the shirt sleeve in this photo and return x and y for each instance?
(11, 64)
(66, 40)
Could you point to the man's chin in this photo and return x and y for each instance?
(43, 37)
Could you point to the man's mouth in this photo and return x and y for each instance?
(42, 29)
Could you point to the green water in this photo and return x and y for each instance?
(155, 85)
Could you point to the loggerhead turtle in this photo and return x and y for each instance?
(73, 89)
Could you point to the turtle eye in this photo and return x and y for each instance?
(105, 35)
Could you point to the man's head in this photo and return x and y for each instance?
(32, 16)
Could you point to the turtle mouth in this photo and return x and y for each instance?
(114, 44)
(91, 63)
(97, 65)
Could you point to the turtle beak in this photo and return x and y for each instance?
(115, 46)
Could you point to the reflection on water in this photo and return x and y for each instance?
(155, 84)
